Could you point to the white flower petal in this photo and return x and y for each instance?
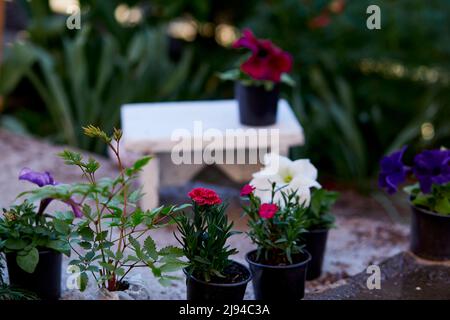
(305, 168)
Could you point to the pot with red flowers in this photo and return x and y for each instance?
(203, 232)
(279, 263)
(429, 198)
(258, 79)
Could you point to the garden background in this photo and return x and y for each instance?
(360, 93)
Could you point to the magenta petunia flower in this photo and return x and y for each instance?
(267, 62)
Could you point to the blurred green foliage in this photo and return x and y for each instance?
(361, 93)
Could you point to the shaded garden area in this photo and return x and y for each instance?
(68, 68)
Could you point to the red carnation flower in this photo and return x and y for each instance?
(267, 62)
(267, 210)
(203, 196)
(247, 190)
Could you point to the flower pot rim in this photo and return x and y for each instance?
(236, 284)
(276, 85)
(268, 266)
(429, 212)
(40, 251)
(320, 230)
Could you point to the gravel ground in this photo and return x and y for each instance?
(367, 228)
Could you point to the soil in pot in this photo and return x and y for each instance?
(315, 243)
(279, 282)
(45, 281)
(229, 288)
(430, 234)
(257, 106)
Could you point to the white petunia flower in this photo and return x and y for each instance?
(299, 175)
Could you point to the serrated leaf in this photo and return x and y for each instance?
(150, 248)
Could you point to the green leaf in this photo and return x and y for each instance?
(150, 248)
(101, 236)
(60, 246)
(84, 279)
(172, 266)
(442, 206)
(86, 234)
(171, 250)
(28, 261)
(61, 226)
(15, 244)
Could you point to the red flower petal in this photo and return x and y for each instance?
(203, 196)
(268, 210)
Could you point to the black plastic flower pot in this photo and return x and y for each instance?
(45, 281)
(199, 290)
(257, 106)
(279, 283)
(315, 243)
(430, 235)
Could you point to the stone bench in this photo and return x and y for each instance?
(184, 137)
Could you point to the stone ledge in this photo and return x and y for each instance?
(403, 277)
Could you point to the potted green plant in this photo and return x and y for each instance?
(210, 274)
(429, 198)
(8, 292)
(112, 238)
(257, 81)
(279, 263)
(33, 243)
(318, 221)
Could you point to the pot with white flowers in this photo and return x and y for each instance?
(210, 274)
(34, 241)
(301, 176)
(319, 221)
(258, 79)
(429, 199)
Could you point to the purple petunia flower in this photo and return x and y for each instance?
(45, 179)
(393, 171)
(432, 167)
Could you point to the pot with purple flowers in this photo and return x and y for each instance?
(429, 197)
(34, 241)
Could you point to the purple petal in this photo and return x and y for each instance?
(39, 178)
(75, 208)
(393, 171)
(432, 167)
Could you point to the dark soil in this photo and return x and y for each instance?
(278, 261)
(234, 273)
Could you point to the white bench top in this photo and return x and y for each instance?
(148, 127)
